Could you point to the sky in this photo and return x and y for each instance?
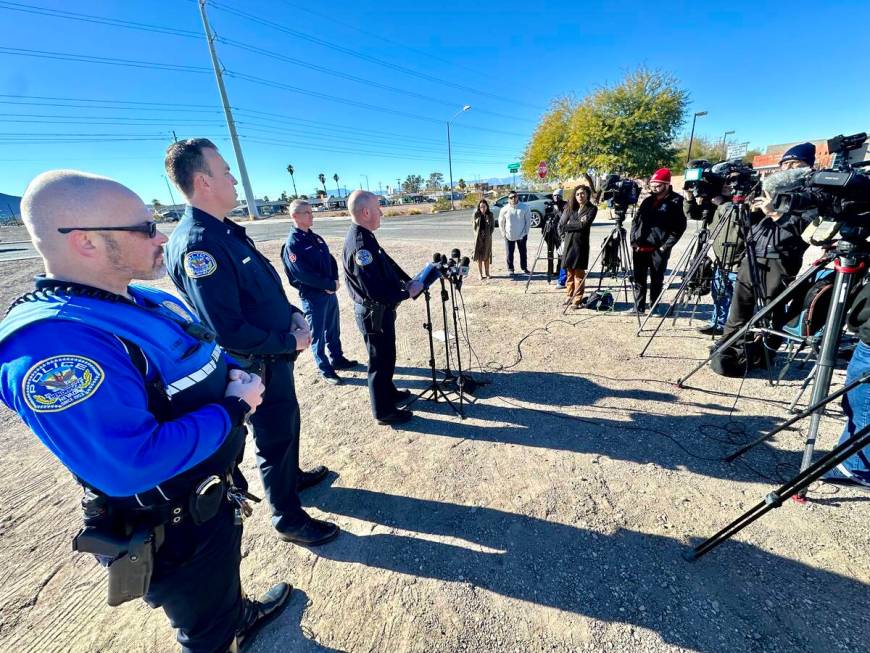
(365, 90)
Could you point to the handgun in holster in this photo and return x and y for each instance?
(375, 317)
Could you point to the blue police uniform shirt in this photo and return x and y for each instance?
(233, 288)
(370, 273)
(65, 370)
(310, 268)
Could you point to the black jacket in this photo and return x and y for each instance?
(574, 228)
(658, 225)
(780, 238)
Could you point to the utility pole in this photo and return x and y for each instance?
(169, 188)
(253, 213)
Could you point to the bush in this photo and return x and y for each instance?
(415, 212)
(471, 200)
(441, 204)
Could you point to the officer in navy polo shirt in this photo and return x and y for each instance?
(312, 270)
(235, 290)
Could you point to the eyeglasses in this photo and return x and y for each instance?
(512, 197)
(148, 228)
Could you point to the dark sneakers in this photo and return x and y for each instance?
(259, 613)
(401, 397)
(398, 416)
(710, 330)
(345, 364)
(305, 480)
(332, 379)
(313, 532)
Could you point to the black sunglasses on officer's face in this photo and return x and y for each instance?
(149, 228)
(512, 197)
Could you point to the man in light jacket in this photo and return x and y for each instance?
(515, 220)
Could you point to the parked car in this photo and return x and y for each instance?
(172, 215)
(538, 204)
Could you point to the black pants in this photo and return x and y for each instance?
(196, 582)
(276, 433)
(774, 275)
(520, 245)
(381, 348)
(655, 264)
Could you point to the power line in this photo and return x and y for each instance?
(476, 92)
(100, 20)
(111, 61)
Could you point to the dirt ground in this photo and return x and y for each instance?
(553, 518)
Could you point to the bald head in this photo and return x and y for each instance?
(365, 210)
(93, 250)
(69, 198)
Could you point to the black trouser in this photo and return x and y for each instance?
(552, 261)
(774, 275)
(520, 245)
(381, 348)
(196, 581)
(276, 434)
(655, 264)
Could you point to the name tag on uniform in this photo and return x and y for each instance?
(247, 259)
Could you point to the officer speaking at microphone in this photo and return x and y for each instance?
(376, 285)
(236, 291)
(130, 392)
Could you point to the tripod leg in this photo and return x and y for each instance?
(804, 385)
(781, 297)
(535, 262)
(795, 486)
(667, 284)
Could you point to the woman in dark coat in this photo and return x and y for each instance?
(574, 228)
(484, 223)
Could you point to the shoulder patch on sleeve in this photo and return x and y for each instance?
(363, 257)
(292, 257)
(54, 384)
(198, 264)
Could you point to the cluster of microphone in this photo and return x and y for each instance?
(454, 268)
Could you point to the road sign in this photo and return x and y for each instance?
(513, 168)
(737, 150)
(542, 169)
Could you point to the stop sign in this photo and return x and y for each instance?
(542, 169)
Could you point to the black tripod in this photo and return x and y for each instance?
(797, 486)
(849, 264)
(464, 383)
(432, 391)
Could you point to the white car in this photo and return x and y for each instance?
(537, 203)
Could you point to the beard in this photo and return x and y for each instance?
(115, 254)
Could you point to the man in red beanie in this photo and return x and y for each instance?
(655, 229)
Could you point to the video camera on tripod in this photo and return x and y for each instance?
(840, 194)
(728, 178)
(620, 193)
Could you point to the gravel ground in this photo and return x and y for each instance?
(553, 518)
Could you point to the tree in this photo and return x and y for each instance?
(265, 198)
(412, 184)
(284, 197)
(435, 180)
(628, 128)
(337, 189)
(461, 184)
(292, 178)
(156, 204)
(322, 178)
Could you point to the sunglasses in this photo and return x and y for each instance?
(148, 228)
(512, 197)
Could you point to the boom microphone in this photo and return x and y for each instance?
(785, 181)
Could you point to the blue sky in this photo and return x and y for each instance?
(772, 71)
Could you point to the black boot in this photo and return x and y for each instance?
(259, 613)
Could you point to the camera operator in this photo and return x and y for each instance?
(856, 403)
(705, 204)
(550, 232)
(779, 250)
(655, 229)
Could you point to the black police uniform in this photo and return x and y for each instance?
(236, 291)
(376, 285)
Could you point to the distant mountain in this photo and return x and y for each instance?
(10, 207)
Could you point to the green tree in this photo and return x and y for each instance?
(156, 204)
(702, 148)
(435, 180)
(284, 197)
(291, 170)
(628, 128)
(412, 184)
(461, 184)
(337, 189)
(322, 178)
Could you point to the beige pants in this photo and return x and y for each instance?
(575, 285)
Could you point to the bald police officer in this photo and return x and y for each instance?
(130, 392)
(237, 292)
(376, 285)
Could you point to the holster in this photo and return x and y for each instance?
(374, 319)
(131, 558)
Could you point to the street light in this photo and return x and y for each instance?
(692, 136)
(724, 149)
(449, 153)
